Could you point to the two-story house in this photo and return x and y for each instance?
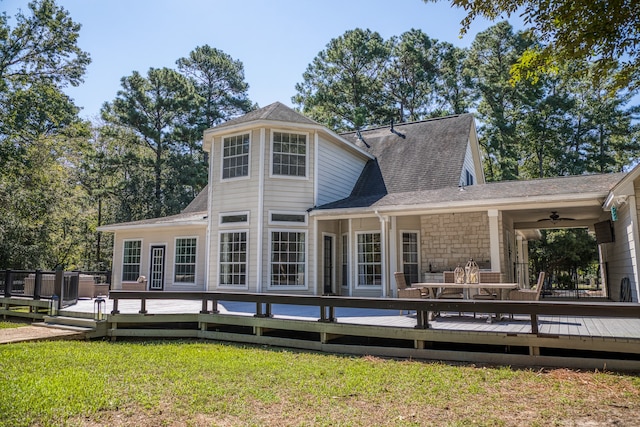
(293, 207)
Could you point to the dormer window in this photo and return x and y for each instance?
(235, 156)
(289, 154)
(468, 177)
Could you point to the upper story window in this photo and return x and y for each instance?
(235, 156)
(289, 154)
(287, 218)
(234, 218)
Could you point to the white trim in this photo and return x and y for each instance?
(235, 178)
(316, 162)
(635, 254)
(306, 155)
(289, 223)
(357, 284)
(233, 224)
(175, 224)
(353, 274)
(260, 227)
(175, 252)
(306, 259)
(247, 263)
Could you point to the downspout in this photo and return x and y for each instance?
(207, 280)
(383, 245)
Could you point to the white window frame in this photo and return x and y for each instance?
(358, 263)
(289, 223)
(306, 155)
(124, 242)
(233, 224)
(306, 259)
(418, 249)
(246, 262)
(222, 158)
(195, 261)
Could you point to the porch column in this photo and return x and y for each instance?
(494, 240)
(384, 253)
(351, 260)
(393, 254)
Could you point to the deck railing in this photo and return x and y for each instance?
(424, 307)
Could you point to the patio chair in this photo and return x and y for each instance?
(488, 294)
(529, 294)
(403, 290)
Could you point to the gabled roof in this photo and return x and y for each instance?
(199, 204)
(273, 112)
(485, 195)
(430, 156)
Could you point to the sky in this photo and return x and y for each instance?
(275, 40)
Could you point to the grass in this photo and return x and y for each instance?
(193, 383)
(9, 324)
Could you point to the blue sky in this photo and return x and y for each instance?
(275, 40)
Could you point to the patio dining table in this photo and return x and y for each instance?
(434, 287)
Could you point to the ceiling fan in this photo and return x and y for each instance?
(554, 217)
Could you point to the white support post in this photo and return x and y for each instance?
(494, 239)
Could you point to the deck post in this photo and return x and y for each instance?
(8, 282)
(143, 306)
(205, 309)
(37, 287)
(534, 324)
(422, 318)
(115, 306)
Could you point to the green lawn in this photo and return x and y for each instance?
(212, 384)
(6, 324)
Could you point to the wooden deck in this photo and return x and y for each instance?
(586, 342)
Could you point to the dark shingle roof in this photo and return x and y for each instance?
(276, 111)
(199, 204)
(430, 156)
(494, 192)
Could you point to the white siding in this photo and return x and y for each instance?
(167, 238)
(338, 171)
(620, 255)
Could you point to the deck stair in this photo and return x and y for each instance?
(76, 321)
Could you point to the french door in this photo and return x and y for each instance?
(156, 275)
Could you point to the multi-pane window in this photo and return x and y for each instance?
(287, 258)
(131, 260)
(185, 266)
(369, 259)
(410, 256)
(345, 260)
(233, 258)
(289, 154)
(235, 156)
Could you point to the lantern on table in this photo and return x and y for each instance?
(458, 275)
(472, 271)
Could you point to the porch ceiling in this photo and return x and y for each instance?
(539, 217)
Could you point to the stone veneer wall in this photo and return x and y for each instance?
(449, 240)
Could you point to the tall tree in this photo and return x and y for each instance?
(599, 31)
(411, 74)
(343, 86)
(219, 80)
(492, 54)
(155, 108)
(39, 136)
(453, 80)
